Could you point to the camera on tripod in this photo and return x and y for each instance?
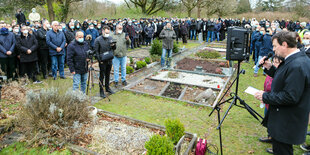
(238, 44)
(90, 54)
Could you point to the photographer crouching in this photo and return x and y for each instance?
(104, 47)
(77, 61)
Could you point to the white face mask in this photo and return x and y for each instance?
(306, 42)
(91, 28)
(25, 32)
(106, 35)
(119, 31)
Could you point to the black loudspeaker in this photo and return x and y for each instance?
(238, 44)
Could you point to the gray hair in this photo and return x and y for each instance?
(76, 34)
(55, 22)
(119, 25)
(307, 33)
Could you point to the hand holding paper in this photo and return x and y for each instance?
(251, 90)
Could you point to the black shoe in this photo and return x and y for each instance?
(269, 150)
(109, 90)
(37, 82)
(265, 139)
(305, 147)
(63, 77)
(124, 83)
(55, 78)
(102, 95)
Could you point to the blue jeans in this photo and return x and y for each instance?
(193, 34)
(80, 79)
(210, 35)
(257, 49)
(257, 64)
(163, 56)
(217, 36)
(58, 60)
(116, 63)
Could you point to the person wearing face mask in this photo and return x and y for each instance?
(43, 49)
(77, 61)
(266, 47)
(306, 42)
(56, 41)
(78, 28)
(69, 33)
(168, 35)
(149, 31)
(34, 16)
(99, 28)
(28, 44)
(94, 34)
(160, 27)
(131, 32)
(7, 48)
(120, 54)
(104, 53)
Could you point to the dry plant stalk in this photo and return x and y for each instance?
(52, 118)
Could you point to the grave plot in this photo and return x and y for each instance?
(193, 88)
(219, 67)
(116, 134)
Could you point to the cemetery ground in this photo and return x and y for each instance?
(240, 131)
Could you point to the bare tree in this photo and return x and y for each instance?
(148, 7)
(190, 5)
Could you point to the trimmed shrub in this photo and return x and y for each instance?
(129, 70)
(174, 130)
(156, 48)
(140, 64)
(208, 54)
(147, 60)
(175, 48)
(159, 145)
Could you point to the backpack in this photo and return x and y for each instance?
(201, 147)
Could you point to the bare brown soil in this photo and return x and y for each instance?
(208, 66)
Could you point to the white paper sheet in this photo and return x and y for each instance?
(251, 90)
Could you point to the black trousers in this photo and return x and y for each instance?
(8, 66)
(43, 57)
(105, 69)
(280, 148)
(29, 68)
(184, 38)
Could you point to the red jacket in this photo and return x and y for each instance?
(267, 86)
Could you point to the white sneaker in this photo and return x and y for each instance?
(254, 67)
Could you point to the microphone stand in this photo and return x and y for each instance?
(233, 101)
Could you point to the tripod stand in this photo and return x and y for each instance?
(233, 101)
(91, 74)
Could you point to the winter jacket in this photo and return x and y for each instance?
(130, 30)
(70, 35)
(266, 47)
(54, 40)
(210, 26)
(193, 25)
(138, 30)
(77, 55)
(102, 45)
(149, 31)
(121, 45)
(21, 19)
(183, 29)
(7, 43)
(217, 27)
(94, 34)
(23, 44)
(41, 36)
(168, 36)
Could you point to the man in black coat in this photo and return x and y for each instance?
(287, 117)
(306, 42)
(102, 47)
(77, 61)
(43, 48)
(21, 19)
(27, 45)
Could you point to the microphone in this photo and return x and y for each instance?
(266, 58)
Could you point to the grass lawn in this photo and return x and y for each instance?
(240, 131)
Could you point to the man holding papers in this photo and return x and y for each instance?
(289, 99)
